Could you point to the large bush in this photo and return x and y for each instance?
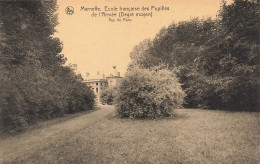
(148, 93)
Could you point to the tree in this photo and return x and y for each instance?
(36, 85)
(218, 59)
(233, 49)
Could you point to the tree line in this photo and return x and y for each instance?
(217, 59)
(35, 84)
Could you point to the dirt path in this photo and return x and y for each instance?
(30, 142)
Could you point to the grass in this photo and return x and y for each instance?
(192, 136)
(45, 123)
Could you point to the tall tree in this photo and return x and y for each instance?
(38, 85)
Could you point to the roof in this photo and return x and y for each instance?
(113, 77)
(94, 80)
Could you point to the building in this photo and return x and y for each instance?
(98, 83)
(114, 79)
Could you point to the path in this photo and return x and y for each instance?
(29, 142)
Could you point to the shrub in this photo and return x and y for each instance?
(30, 97)
(145, 93)
(81, 98)
(108, 95)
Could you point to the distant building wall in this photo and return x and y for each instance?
(98, 86)
(99, 82)
(113, 81)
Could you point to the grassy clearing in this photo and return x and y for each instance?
(193, 136)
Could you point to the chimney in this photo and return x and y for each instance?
(97, 72)
(87, 75)
(103, 76)
(118, 74)
(115, 71)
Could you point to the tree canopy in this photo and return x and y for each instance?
(35, 83)
(218, 59)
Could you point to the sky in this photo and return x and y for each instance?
(96, 44)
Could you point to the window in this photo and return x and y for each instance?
(97, 90)
(96, 83)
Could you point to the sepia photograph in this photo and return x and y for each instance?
(129, 81)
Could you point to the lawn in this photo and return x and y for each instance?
(192, 136)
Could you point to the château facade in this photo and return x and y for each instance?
(98, 83)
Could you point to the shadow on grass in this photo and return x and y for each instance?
(45, 123)
(227, 110)
(174, 116)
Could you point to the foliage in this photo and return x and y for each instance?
(145, 93)
(108, 95)
(218, 59)
(34, 83)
